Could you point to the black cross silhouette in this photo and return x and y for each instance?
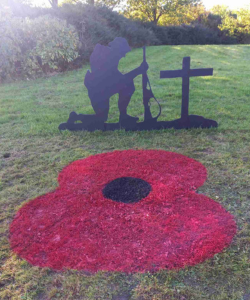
(186, 73)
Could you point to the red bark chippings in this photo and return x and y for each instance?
(76, 227)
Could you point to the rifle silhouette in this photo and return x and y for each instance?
(148, 94)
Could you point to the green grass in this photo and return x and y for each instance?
(30, 112)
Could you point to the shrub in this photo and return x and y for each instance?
(101, 25)
(10, 45)
(31, 47)
(55, 43)
(188, 35)
(209, 20)
(237, 25)
(42, 41)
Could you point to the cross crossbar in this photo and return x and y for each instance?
(171, 74)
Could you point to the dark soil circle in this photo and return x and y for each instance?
(127, 190)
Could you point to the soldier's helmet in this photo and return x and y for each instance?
(120, 45)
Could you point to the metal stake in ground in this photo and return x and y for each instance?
(186, 73)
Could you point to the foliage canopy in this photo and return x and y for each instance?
(233, 23)
(153, 10)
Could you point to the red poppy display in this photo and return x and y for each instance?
(166, 225)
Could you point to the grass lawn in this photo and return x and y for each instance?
(33, 152)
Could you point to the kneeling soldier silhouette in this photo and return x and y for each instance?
(105, 80)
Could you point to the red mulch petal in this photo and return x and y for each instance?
(76, 227)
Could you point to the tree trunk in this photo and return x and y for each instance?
(54, 3)
(155, 21)
(91, 2)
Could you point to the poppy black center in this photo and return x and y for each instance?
(127, 189)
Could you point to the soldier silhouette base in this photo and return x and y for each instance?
(105, 80)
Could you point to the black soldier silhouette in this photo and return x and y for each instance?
(105, 80)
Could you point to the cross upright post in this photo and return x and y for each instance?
(185, 87)
(185, 74)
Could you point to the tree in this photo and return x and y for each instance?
(237, 24)
(187, 14)
(220, 10)
(108, 3)
(17, 7)
(153, 10)
(14, 3)
(53, 3)
(233, 23)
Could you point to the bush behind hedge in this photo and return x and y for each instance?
(45, 44)
(32, 47)
(189, 35)
(101, 25)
